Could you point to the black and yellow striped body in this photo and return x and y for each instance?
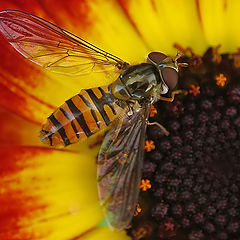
(81, 116)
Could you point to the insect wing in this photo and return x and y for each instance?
(53, 47)
(119, 171)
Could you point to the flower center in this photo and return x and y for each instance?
(194, 173)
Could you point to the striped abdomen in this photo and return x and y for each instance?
(80, 117)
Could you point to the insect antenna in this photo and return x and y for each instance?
(179, 64)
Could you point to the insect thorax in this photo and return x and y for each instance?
(138, 82)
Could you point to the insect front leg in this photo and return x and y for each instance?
(133, 106)
(184, 92)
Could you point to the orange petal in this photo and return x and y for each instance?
(17, 131)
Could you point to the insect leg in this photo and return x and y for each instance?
(184, 92)
(166, 132)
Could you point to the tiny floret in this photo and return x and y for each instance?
(153, 111)
(145, 184)
(194, 90)
(221, 80)
(149, 145)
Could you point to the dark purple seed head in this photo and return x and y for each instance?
(203, 117)
(225, 124)
(174, 182)
(188, 135)
(185, 222)
(175, 125)
(234, 95)
(160, 210)
(188, 182)
(209, 227)
(198, 218)
(159, 193)
(216, 115)
(156, 156)
(191, 106)
(176, 109)
(190, 207)
(176, 156)
(177, 141)
(206, 104)
(186, 195)
(160, 178)
(168, 167)
(231, 111)
(171, 196)
(213, 129)
(233, 227)
(234, 188)
(232, 212)
(149, 168)
(220, 102)
(231, 134)
(177, 210)
(221, 204)
(222, 236)
(202, 200)
(210, 211)
(237, 122)
(196, 235)
(213, 195)
(210, 141)
(165, 146)
(181, 171)
(220, 220)
(187, 120)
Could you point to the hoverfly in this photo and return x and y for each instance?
(125, 104)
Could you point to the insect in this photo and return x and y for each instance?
(125, 104)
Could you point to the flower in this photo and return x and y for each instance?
(51, 194)
(194, 172)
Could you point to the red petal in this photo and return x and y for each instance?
(64, 13)
(15, 203)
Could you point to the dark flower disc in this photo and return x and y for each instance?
(195, 171)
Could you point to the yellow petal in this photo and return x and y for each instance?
(220, 23)
(105, 233)
(163, 23)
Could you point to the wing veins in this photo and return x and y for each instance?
(22, 29)
(78, 41)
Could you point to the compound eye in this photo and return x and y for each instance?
(156, 57)
(170, 76)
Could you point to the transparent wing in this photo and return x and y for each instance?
(53, 47)
(119, 170)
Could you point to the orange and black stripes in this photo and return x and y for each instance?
(60, 129)
(91, 107)
(78, 115)
(69, 118)
(100, 103)
(81, 116)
